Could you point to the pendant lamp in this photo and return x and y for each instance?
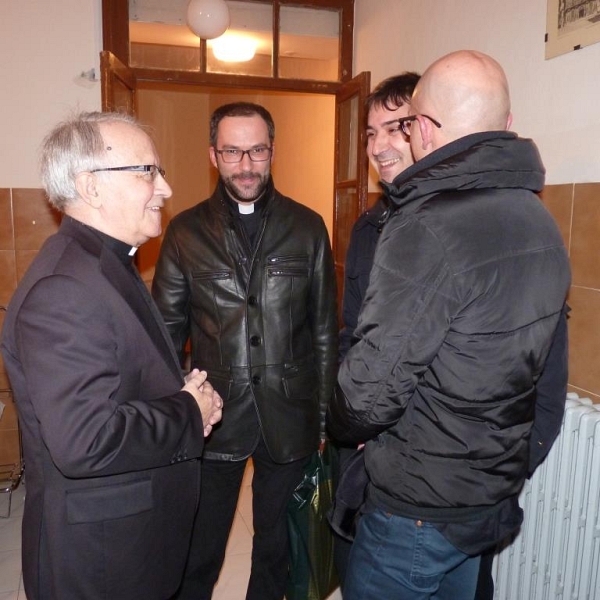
(208, 19)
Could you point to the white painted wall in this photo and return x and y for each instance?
(556, 102)
(44, 47)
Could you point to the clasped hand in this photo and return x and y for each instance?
(208, 399)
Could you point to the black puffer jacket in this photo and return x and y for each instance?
(467, 287)
(262, 323)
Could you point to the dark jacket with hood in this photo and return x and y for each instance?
(261, 318)
(468, 282)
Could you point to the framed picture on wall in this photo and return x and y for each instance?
(571, 25)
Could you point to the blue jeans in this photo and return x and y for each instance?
(402, 559)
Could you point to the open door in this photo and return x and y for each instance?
(351, 167)
(118, 85)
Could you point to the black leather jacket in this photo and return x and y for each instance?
(261, 321)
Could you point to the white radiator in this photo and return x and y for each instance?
(556, 555)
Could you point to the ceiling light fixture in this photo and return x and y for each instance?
(208, 19)
(234, 48)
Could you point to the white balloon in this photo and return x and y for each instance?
(208, 19)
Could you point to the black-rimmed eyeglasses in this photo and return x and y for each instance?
(234, 155)
(406, 122)
(154, 170)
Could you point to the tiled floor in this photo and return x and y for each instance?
(10, 546)
(234, 576)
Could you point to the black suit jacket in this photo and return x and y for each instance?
(109, 439)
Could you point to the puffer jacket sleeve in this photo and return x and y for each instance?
(402, 324)
(171, 292)
(323, 318)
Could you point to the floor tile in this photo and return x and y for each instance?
(10, 534)
(244, 507)
(234, 577)
(18, 501)
(10, 570)
(240, 538)
(22, 595)
(233, 580)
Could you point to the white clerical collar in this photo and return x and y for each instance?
(132, 251)
(245, 209)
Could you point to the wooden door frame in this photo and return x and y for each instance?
(115, 28)
(115, 20)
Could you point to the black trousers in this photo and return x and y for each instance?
(272, 488)
(341, 546)
(485, 582)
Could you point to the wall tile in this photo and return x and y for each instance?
(3, 379)
(585, 237)
(7, 241)
(558, 199)
(9, 432)
(8, 276)
(34, 219)
(4, 383)
(595, 398)
(23, 260)
(9, 415)
(584, 339)
(9, 446)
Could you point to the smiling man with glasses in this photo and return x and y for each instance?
(467, 289)
(112, 432)
(247, 277)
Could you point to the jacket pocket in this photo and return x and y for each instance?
(300, 383)
(291, 265)
(109, 502)
(211, 275)
(221, 381)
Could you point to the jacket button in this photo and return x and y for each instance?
(255, 340)
(252, 301)
(256, 379)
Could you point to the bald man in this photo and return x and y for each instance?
(468, 282)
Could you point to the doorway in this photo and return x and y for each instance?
(179, 117)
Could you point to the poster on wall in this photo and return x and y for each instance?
(571, 25)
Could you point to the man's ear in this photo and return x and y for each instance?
(213, 157)
(426, 131)
(87, 190)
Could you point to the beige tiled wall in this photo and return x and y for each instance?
(576, 208)
(26, 220)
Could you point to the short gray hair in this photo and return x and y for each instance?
(72, 147)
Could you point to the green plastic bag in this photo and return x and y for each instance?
(312, 574)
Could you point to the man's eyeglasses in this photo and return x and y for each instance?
(154, 170)
(234, 155)
(405, 123)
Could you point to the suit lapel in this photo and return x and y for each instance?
(133, 290)
(130, 287)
